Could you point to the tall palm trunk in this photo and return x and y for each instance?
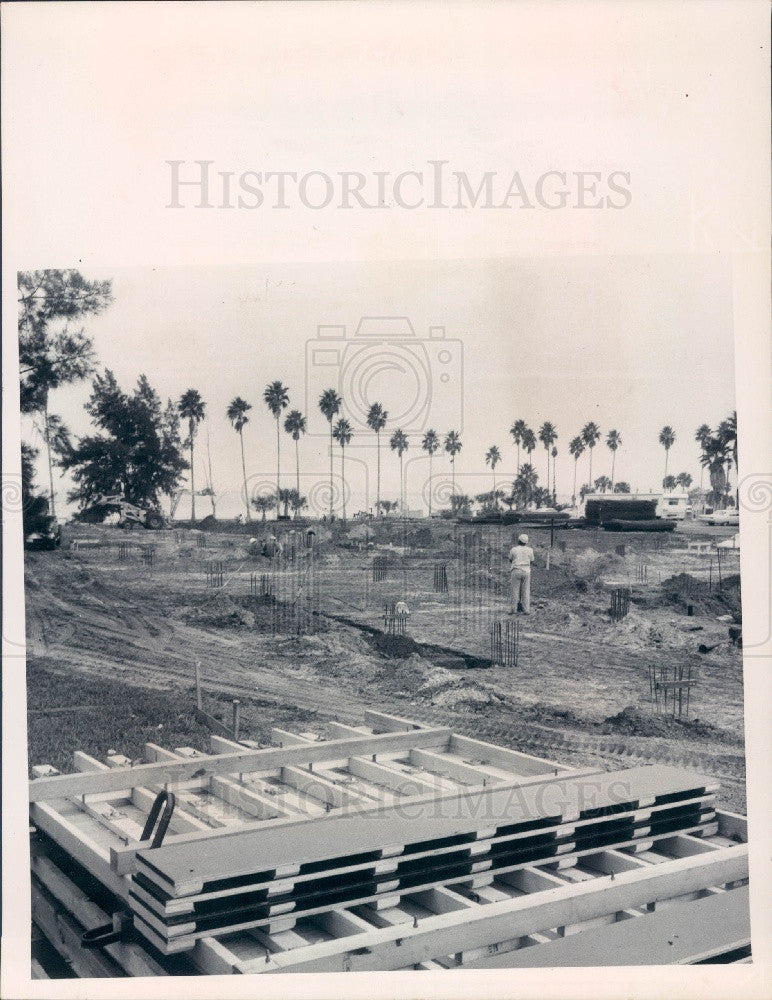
(453, 476)
(244, 473)
(192, 483)
(50, 462)
(613, 463)
(546, 448)
(343, 477)
(278, 466)
(297, 467)
(401, 489)
(518, 459)
(378, 478)
(431, 456)
(590, 482)
(576, 463)
(332, 509)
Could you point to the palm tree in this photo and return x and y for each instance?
(667, 440)
(453, 447)
(525, 483)
(342, 433)
(192, 408)
(727, 433)
(554, 477)
(295, 424)
(330, 404)
(702, 435)
(548, 435)
(621, 487)
(517, 430)
(576, 448)
(669, 484)
(430, 444)
(684, 480)
(399, 443)
(276, 397)
(237, 414)
(264, 503)
(714, 457)
(297, 502)
(613, 441)
(529, 443)
(590, 436)
(602, 483)
(492, 458)
(376, 421)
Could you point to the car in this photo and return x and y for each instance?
(729, 518)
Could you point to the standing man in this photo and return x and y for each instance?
(520, 559)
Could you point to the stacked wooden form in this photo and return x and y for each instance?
(387, 846)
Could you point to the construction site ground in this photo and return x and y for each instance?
(112, 644)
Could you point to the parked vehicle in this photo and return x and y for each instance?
(727, 517)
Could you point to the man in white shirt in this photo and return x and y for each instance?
(520, 559)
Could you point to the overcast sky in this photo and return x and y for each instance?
(632, 343)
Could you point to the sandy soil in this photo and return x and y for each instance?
(579, 693)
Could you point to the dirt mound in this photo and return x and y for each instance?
(397, 646)
(683, 590)
(219, 611)
(591, 564)
(632, 722)
(447, 690)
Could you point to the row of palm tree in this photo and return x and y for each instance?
(717, 450)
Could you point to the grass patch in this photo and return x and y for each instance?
(67, 712)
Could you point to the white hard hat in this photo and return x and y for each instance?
(523, 539)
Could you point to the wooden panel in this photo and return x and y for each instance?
(681, 934)
(447, 934)
(67, 785)
(338, 836)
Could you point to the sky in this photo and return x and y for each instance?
(632, 343)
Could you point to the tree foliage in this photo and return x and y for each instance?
(53, 351)
(137, 452)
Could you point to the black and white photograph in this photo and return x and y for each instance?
(386, 530)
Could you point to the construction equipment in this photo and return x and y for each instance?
(129, 514)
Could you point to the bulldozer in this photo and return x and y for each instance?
(130, 515)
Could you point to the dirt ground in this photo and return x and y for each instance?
(579, 694)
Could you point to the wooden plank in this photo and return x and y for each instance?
(90, 854)
(283, 738)
(457, 770)
(441, 900)
(403, 783)
(681, 935)
(64, 935)
(389, 949)
(382, 722)
(134, 960)
(317, 787)
(67, 785)
(512, 760)
(733, 826)
(341, 730)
